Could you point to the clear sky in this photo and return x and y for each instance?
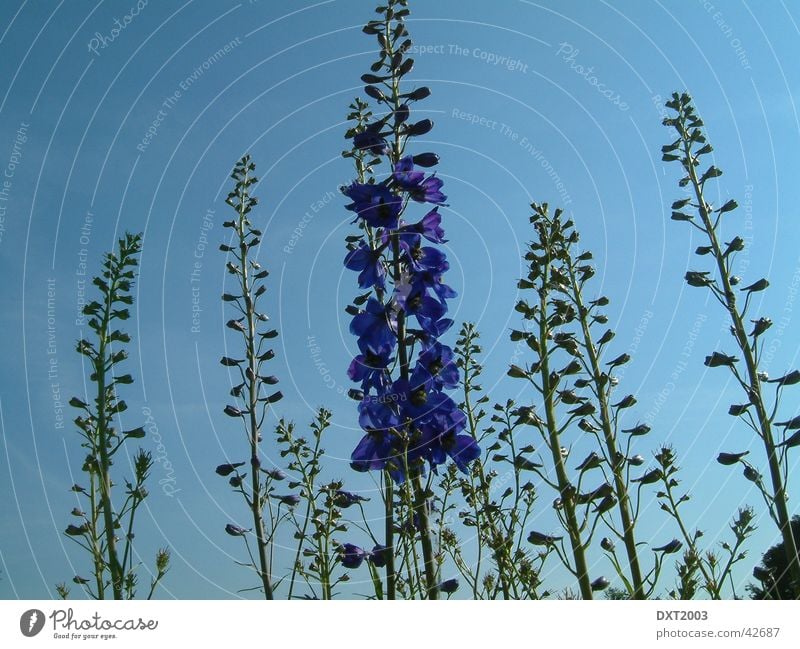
(137, 129)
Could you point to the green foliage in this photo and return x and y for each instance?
(102, 528)
(773, 573)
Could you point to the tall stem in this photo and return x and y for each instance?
(566, 489)
(609, 436)
(391, 578)
(253, 389)
(754, 387)
(102, 441)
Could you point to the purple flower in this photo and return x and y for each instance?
(345, 499)
(462, 449)
(405, 176)
(377, 446)
(434, 280)
(414, 299)
(371, 369)
(427, 259)
(432, 332)
(416, 400)
(374, 203)
(429, 227)
(428, 191)
(370, 139)
(379, 556)
(375, 328)
(437, 360)
(370, 263)
(351, 555)
(442, 438)
(290, 499)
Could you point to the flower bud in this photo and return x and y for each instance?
(226, 469)
(670, 548)
(275, 474)
(419, 128)
(728, 459)
(416, 95)
(751, 474)
(235, 530)
(537, 538)
(232, 411)
(650, 477)
(607, 544)
(426, 160)
(449, 586)
(640, 429)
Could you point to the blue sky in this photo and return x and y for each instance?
(138, 129)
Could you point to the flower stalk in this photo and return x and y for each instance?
(253, 388)
(98, 529)
(688, 149)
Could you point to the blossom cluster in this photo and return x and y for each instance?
(408, 420)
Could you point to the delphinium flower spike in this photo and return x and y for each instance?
(402, 369)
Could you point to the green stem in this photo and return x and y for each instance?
(103, 442)
(609, 436)
(754, 387)
(252, 379)
(391, 577)
(565, 487)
